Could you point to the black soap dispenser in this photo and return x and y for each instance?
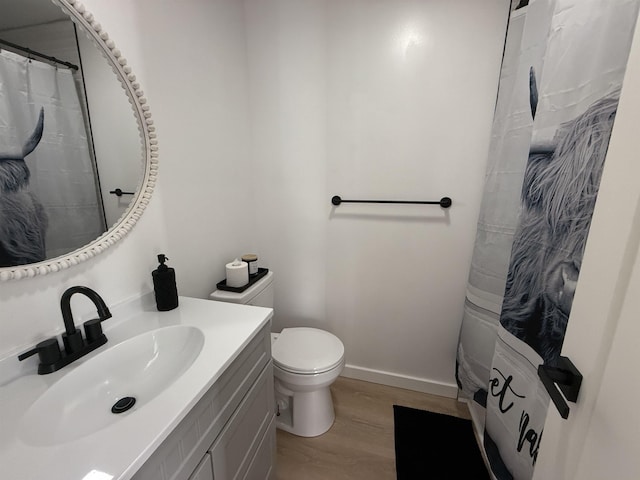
(164, 285)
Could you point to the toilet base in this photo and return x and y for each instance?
(306, 414)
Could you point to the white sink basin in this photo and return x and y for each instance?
(142, 367)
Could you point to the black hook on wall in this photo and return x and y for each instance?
(566, 377)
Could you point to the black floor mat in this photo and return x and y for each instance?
(432, 446)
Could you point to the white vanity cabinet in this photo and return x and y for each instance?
(204, 470)
(230, 433)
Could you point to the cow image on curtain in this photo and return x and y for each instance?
(559, 88)
(23, 220)
(44, 145)
(558, 197)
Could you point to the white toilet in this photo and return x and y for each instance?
(306, 361)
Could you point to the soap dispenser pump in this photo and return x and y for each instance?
(164, 285)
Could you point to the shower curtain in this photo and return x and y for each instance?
(563, 67)
(62, 179)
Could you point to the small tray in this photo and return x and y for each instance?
(223, 284)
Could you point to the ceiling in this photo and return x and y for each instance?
(20, 13)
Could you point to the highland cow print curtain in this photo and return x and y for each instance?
(49, 202)
(562, 72)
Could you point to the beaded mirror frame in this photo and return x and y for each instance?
(86, 22)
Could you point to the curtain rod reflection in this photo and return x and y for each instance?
(30, 53)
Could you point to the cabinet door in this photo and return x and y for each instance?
(204, 470)
(236, 447)
(263, 465)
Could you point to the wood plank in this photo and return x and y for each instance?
(360, 443)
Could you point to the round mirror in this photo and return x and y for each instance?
(77, 169)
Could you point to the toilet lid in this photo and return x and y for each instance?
(307, 350)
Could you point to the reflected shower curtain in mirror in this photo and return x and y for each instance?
(48, 194)
(562, 72)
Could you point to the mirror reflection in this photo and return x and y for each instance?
(68, 139)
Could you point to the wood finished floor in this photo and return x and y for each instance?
(360, 443)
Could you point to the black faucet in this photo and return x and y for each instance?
(72, 337)
(51, 358)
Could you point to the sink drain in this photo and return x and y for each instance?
(123, 405)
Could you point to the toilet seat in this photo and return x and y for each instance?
(307, 351)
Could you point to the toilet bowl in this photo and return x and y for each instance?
(306, 361)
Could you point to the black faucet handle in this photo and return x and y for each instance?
(48, 350)
(73, 342)
(93, 329)
(27, 354)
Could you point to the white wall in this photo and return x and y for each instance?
(390, 100)
(194, 55)
(287, 49)
(190, 61)
(259, 125)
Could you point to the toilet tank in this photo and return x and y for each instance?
(259, 294)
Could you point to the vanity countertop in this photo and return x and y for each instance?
(118, 450)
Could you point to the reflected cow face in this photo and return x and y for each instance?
(23, 222)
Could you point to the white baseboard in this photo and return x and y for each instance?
(449, 390)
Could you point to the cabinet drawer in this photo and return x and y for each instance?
(179, 455)
(237, 445)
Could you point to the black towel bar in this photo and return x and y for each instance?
(444, 202)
